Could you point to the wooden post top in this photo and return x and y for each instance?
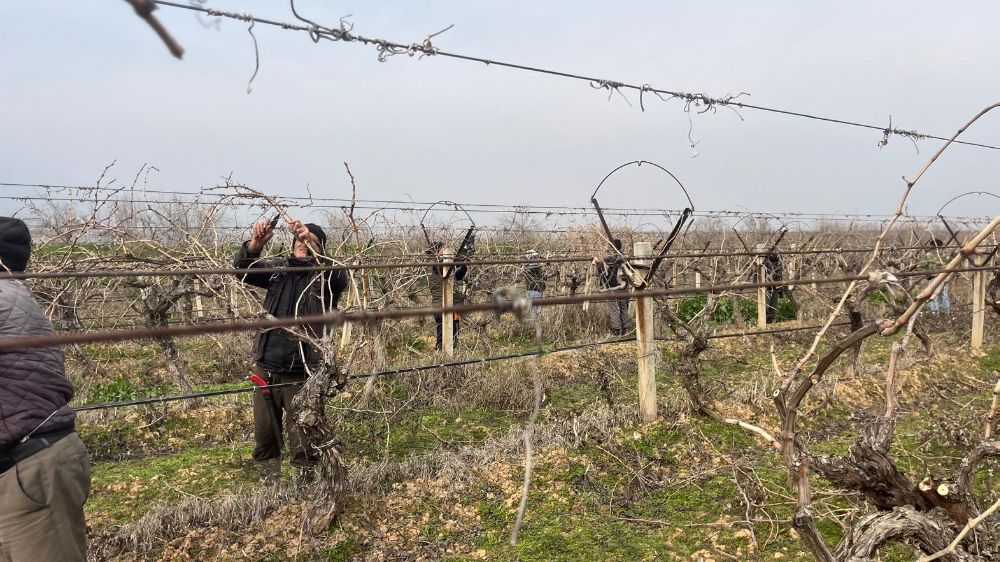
(640, 268)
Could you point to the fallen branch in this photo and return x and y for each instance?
(758, 430)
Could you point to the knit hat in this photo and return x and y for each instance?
(318, 232)
(15, 244)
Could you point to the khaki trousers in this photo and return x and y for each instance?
(42, 497)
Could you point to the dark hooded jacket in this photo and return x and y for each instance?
(278, 350)
(435, 282)
(608, 270)
(534, 278)
(773, 267)
(33, 384)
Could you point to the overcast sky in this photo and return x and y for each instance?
(85, 82)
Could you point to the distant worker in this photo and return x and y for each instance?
(609, 269)
(534, 282)
(435, 282)
(44, 466)
(941, 302)
(280, 356)
(774, 270)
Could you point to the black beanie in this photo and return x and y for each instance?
(315, 229)
(15, 244)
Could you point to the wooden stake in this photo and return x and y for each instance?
(978, 307)
(646, 347)
(199, 309)
(761, 291)
(447, 300)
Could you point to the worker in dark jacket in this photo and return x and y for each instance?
(609, 269)
(44, 467)
(435, 282)
(281, 357)
(774, 270)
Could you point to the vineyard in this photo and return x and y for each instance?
(647, 370)
(761, 408)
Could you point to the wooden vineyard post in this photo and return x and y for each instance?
(645, 345)
(761, 291)
(447, 300)
(697, 279)
(978, 306)
(199, 308)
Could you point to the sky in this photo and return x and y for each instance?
(85, 82)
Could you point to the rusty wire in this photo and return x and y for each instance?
(428, 367)
(384, 373)
(494, 208)
(703, 101)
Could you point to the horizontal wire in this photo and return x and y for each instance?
(427, 264)
(427, 49)
(419, 368)
(380, 262)
(471, 207)
(338, 317)
(180, 316)
(140, 325)
(135, 323)
(390, 372)
(174, 398)
(566, 212)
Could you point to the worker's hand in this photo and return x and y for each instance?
(260, 234)
(306, 243)
(299, 230)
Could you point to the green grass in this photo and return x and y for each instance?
(343, 551)
(124, 491)
(426, 430)
(120, 389)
